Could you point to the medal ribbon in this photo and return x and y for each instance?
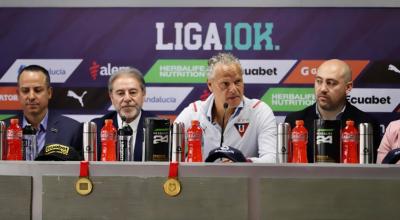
(84, 169)
(173, 170)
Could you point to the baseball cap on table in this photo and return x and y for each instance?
(58, 152)
(227, 152)
(392, 156)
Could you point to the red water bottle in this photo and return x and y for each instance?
(195, 136)
(350, 143)
(299, 143)
(108, 141)
(14, 140)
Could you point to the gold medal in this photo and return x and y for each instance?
(172, 187)
(83, 186)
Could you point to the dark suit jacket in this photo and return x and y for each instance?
(139, 134)
(61, 130)
(308, 115)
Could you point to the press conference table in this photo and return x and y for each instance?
(133, 190)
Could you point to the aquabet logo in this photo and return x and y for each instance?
(108, 69)
(59, 69)
(265, 71)
(375, 100)
(196, 36)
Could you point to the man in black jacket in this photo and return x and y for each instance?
(127, 91)
(34, 93)
(333, 83)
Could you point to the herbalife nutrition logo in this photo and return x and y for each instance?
(289, 99)
(178, 71)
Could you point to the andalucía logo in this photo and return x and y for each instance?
(108, 69)
(165, 98)
(59, 69)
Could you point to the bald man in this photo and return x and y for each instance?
(333, 83)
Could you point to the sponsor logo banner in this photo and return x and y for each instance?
(375, 100)
(79, 98)
(59, 69)
(305, 71)
(5, 116)
(177, 71)
(106, 70)
(289, 99)
(265, 71)
(165, 98)
(9, 98)
(382, 72)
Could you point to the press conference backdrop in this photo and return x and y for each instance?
(280, 49)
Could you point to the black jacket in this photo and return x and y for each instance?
(139, 134)
(60, 130)
(308, 115)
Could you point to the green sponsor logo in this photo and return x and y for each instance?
(4, 117)
(289, 99)
(178, 71)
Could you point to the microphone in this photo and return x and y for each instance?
(124, 151)
(223, 124)
(123, 118)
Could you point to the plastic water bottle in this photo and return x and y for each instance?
(14, 140)
(350, 143)
(29, 142)
(108, 141)
(195, 136)
(299, 143)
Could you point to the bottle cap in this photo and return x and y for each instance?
(350, 123)
(299, 122)
(14, 121)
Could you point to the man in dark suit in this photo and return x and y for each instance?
(34, 92)
(127, 91)
(333, 83)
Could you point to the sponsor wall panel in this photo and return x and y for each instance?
(280, 49)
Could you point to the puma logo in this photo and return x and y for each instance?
(393, 68)
(72, 94)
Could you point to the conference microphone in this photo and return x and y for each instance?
(124, 151)
(223, 124)
(231, 153)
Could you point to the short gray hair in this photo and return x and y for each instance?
(222, 58)
(129, 71)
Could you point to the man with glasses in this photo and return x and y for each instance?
(333, 83)
(127, 91)
(249, 125)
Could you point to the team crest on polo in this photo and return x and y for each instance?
(241, 128)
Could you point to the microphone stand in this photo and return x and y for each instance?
(223, 124)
